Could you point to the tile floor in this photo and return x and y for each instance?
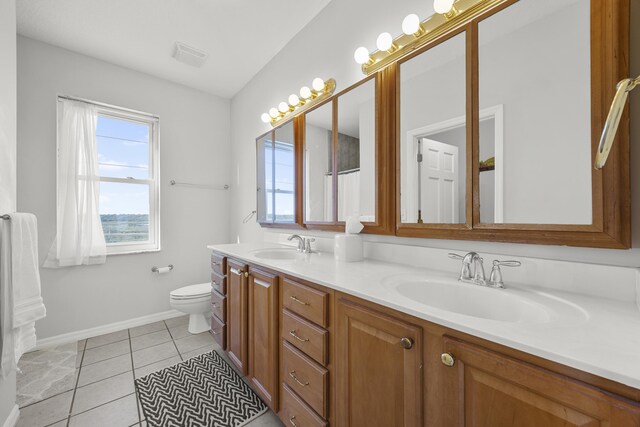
(104, 393)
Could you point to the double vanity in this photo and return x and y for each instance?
(376, 343)
(484, 128)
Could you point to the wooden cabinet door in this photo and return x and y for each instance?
(237, 314)
(263, 335)
(487, 389)
(378, 381)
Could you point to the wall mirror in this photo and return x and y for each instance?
(356, 153)
(276, 167)
(534, 82)
(433, 135)
(343, 164)
(485, 129)
(498, 121)
(318, 165)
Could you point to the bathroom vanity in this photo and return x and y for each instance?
(351, 344)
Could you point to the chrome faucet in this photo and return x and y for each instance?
(307, 244)
(304, 245)
(495, 279)
(476, 275)
(300, 241)
(472, 268)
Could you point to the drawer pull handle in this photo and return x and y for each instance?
(298, 300)
(292, 374)
(214, 304)
(406, 343)
(214, 332)
(292, 421)
(215, 263)
(293, 334)
(448, 359)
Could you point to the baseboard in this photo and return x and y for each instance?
(105, 329)
(12, 419)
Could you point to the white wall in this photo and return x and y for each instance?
(194, 146)
(7, 152)
(332, 37)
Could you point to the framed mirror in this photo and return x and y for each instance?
(534, 108)
(496, 141)
(433, 135)
(356, 153)
(276, 175)
(318, 165)
(346, 167)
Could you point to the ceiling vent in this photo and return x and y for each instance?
(189, 55)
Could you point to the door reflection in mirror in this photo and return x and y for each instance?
(433, 133)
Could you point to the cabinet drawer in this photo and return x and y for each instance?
(305, 301)
(219, 306)
(308, 379)
(219, 283)
(219, 332)
(306, 336)
(295, 412)
(219, 263)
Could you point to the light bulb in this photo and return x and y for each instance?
(305, 92)
(317, 84)
(294, 100)
(443, 6)
(361, 55)
(384, 42)
(283, 107)
(266, 118)
(411, 24)
(273, 112)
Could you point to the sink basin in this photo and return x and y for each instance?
(503, 305)
(277, 253)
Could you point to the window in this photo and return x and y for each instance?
(128, 161)
(280, 182)
(276, 176)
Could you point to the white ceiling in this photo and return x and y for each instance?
(240, 36)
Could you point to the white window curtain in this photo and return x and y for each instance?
(79, 239)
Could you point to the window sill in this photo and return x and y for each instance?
(134, 251)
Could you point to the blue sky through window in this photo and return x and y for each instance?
(282, 180)
(123, 152)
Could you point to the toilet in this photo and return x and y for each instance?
(194, 300)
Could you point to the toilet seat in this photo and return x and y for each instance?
(191, 292)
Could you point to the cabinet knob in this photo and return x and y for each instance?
(246, 274)
(448, 359)
(406, 343)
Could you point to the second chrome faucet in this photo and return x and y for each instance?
(304, 244)
(472, 270)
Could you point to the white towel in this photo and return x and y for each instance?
(23, 289)
(7, 353)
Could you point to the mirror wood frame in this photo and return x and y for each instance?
(611, 204)
(384, 158)
(611, 211)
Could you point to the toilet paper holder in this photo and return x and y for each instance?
(157, 269)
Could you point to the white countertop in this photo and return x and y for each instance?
(597, 335)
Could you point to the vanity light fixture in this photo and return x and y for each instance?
(320, 90)
(613, 120)
(450, 14)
